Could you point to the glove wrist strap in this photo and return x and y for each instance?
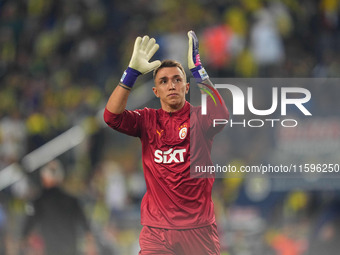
(199, 73)
(129, 77)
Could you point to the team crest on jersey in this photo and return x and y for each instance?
(183, 131)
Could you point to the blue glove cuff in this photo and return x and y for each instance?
(129, 77)
(199, 73)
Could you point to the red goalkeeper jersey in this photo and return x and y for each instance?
(173, 199)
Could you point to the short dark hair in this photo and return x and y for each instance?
(169, 63)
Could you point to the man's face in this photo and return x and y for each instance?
(170, 88)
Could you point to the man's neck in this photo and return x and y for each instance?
(172, 108)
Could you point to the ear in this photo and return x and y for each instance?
(187, 88)
(155, 91)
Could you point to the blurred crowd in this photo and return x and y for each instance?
(60, 60)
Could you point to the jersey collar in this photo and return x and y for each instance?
(180, 112)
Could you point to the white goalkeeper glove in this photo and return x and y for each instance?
(143, 51)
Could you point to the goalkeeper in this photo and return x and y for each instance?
(177, 211)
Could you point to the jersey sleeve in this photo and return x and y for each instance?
(127, 122)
